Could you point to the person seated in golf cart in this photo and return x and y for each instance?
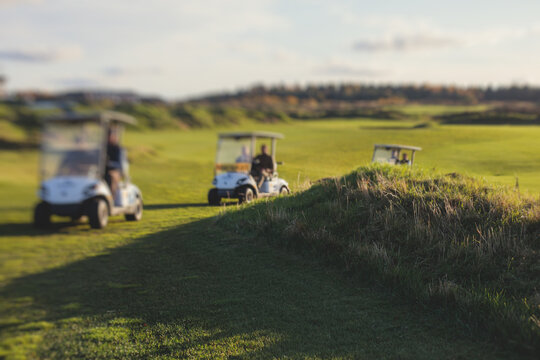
(394, 158)
(263, 166)
(115, 153)
(404, 160)
(245, 157)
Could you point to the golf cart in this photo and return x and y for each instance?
(394, 154)
(236, 174)
(76, 173)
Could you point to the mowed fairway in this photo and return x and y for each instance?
(176, 285)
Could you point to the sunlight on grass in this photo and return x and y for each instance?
(174, 285)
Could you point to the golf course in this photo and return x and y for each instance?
(196, 281)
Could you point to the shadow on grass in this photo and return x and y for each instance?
(28, 229)
(197, 290)
(419, 126)
(173, 206)
(150, 207)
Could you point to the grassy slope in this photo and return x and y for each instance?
(174, 171)
(190, 292)
(440, 239)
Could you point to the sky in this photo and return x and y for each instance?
(184, 48)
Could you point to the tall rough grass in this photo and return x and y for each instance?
(447, 241)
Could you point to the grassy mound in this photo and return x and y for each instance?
(20, 124)
(445, 241)
(490, 117)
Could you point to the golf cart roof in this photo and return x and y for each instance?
(395, 146)
(102, 116)
(257, 134)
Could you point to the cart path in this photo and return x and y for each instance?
(200, 291)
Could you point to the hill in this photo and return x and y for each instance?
(444, 241)
(20, 122)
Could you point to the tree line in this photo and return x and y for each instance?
(366, 92)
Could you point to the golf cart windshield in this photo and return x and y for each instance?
(386, 155)
(233, 155)
(71, 149)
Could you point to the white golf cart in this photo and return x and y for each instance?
(74, 180)
(236, 175)
(394, 154)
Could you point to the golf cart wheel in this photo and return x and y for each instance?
(98, 214)
(137, 215)
(284, 191)
(42, 215)
(247, 196)
(213, 197)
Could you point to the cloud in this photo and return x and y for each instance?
(78, 82)
(41, 55)
(343, 69)
(495, 36)
(409, 34)
(406, 43)
(118, 71)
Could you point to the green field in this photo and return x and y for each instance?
(178, 285)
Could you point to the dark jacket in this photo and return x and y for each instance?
(263, 161)
(114, 157)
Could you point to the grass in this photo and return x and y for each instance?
(434, 110)
(442, 239)
(190, 292)
(177, 285)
